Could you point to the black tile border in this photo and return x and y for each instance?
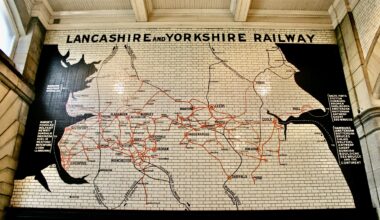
(323, 214)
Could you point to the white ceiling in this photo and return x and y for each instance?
(68, 14)
(82, 5)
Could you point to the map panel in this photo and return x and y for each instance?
(198, 119)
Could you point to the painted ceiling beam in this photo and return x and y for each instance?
(140, 10)
(240, 9)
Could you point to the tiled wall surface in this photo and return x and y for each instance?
(311, 179)
(367, 19)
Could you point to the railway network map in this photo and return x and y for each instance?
(209, 121)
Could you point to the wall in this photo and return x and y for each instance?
(16, 94)
(367, 20)
(356, 36)
(15, 97)
(128, 75)
(357, 30)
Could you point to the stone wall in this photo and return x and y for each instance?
(29, 49)
(357, 31)
(15, 97)
(16, 94)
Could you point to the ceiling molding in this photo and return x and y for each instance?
(88, 17)
(43, 11)
(333, 17)
(308, 18)
(110, 13)
(337, 11)
(90, 5)
(288, 13)
(300, 5)
(232, 24)
(47, 5)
